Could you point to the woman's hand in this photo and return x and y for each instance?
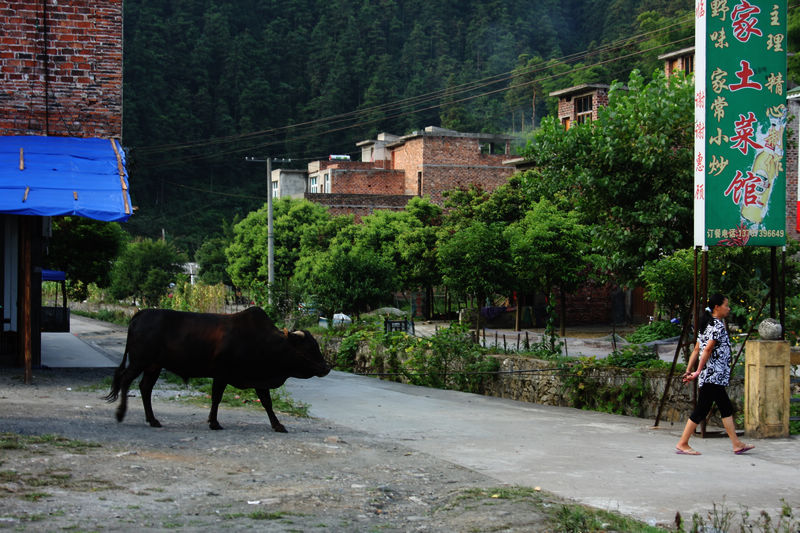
(690, 376)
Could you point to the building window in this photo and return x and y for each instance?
(688, 64)
(313, 185)
(583, 109)
(275, 189)
(565, 122)
(327, 187)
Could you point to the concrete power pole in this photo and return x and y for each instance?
(270, 233)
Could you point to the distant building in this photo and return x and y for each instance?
(394, 169)
(679, 61)
(579, 104)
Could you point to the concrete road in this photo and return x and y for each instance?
(606, 461)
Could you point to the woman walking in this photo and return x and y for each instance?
(713, 349)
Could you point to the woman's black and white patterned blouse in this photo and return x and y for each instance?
(718, 366)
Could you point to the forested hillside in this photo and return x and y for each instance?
(210, 82)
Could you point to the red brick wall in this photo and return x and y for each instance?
(358, 204)
(408, 157)
(437, 179)
(372, 181)
(600, 99)
(567, 108)
(448, 163)
(80, 56)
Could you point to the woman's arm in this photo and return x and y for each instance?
(703, 360)
(692, 360)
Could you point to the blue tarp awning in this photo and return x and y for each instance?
(50, 176)
(53, 275)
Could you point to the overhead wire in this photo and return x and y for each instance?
(312, 134)
(419, 99)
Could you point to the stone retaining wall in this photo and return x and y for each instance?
(543, 383)
(547, 387)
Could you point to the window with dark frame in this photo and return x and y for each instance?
(583, 109)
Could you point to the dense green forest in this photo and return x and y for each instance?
(207, 83)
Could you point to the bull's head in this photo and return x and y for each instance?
(308, 355)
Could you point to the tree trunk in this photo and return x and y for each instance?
(478, 316)
(562, 318)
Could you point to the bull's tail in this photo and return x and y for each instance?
(115, 382)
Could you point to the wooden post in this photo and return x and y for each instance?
(25, 322)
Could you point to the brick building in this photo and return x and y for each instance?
(678, 61)
(60, 153)
(394, 169)
(61, 66)
(579, 104)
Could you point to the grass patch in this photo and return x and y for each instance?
(115, 317)
(266, 515)
(39, 443)
(201, 389)
(569, 518)
(35, 496)
(233, 397)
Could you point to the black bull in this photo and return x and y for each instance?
(245, 350)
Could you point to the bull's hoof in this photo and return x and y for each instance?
(154, 423)
(279, 428)
(215, 425)
(120, 415)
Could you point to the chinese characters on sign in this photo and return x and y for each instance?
(740, 122)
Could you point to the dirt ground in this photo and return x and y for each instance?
(186, 477)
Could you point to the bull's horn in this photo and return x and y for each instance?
(285, 332)
(300, 334)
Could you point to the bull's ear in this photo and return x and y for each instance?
(300, 334)
(286, 333)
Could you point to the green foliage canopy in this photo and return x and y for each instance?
(628, 174)
(84, 249)
(144, 270)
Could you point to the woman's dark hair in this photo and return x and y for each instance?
(705, 317)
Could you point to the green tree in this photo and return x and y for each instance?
(668, 282)
(247, 254)
(417, 246)
(211, 259)
(144, 271)
(548, 251)
(629, 174)
(474, 260)
(85, 249)
(348, 276)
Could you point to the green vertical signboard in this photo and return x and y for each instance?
(740, 123)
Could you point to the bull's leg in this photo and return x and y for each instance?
(266, 401)
(125, 381)
(217, 388)
(146, 388)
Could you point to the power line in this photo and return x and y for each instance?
(363, 123)
(419, 99)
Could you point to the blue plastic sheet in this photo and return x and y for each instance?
(53, 275)
(63, 176)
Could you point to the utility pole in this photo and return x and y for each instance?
(270, 234)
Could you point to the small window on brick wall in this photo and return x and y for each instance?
(688, 64)
(327, 187)
(583, 109)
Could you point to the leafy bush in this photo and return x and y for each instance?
(660, 329)
(630, 356)
(448, 360)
